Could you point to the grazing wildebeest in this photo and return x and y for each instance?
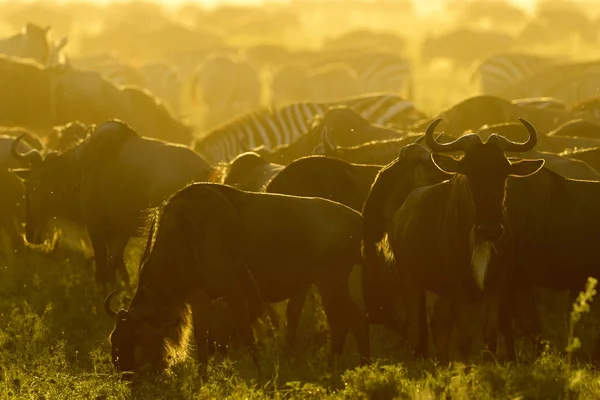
(223, 242)
(453, 238)
(105, 184)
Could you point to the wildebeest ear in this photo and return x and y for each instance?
(447, 164)
(525, 167)
(21, 173)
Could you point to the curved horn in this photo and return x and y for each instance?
(422, 137)
(111, 313)
(514, 147)
(33, 156)
(329, 143)
(463, 143)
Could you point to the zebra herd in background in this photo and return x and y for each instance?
(274, 127)
(518, 75)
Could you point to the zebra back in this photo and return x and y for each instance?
(273, 127)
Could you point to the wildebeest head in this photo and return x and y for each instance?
(486, 168)
(45, 182)
(135, 343)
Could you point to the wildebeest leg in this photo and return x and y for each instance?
(293, 312)
(344, 314)
(490, 330)
(199, 303)
(523, 308)
(414, 299)
(241, 315)
(506, 329)
(116, 259)
(462, 325)
(442, 322)
(101, 258)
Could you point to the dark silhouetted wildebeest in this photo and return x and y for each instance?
(106, 183)
(212, 240)
(454, 238)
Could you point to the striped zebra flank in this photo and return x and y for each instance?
(377, 72)
(272, 127)
(500, 72)
(570, 82)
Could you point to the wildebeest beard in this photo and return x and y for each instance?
(481, 252)
(460, 210)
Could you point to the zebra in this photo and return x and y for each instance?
(272, 127)
(501, 71)
(570, 82)
(377, 72)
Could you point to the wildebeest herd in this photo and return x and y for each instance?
(481, 202)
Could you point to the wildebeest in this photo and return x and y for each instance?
(551, 142)
(443, 238)
(590, 156)
(65, 137)
(250, 172)
(274, 127)
(410, 170)
(378, 152)
(106, 183)
(46, 97)
(555, 223)
(344, 125)
(211, 241)
(88, 97)
(476, 111)
(578, 128)
(561, 164)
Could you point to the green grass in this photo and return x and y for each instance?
(54, 345)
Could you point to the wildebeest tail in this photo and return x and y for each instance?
(377, 259)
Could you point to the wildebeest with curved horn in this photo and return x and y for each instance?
(453, 238)
(205, 237)
(106, 183)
